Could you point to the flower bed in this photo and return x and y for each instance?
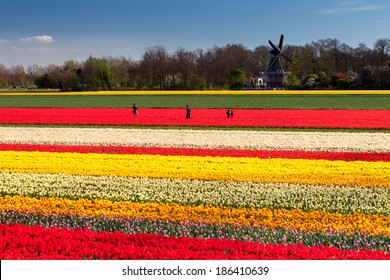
(345, 156)
(295, 171)
(197, 192)
(200, 117)
(306, 221)
(377, 142)
(104, 193)
(39, 243)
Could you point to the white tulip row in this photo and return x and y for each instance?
(195, 192)
(236, 139)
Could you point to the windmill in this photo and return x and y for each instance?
(274, 74)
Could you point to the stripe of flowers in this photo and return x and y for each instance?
(308, 221)
(34, 242)
(345, 156)
(243, 140)
(295, 171)
(202, 117)
(339, 239)
(197, 192)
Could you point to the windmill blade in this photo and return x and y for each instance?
(289, 60)
(281, 41)
(275, 50)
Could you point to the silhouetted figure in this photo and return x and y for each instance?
(188, 112)
(228, 113)
(135, 110)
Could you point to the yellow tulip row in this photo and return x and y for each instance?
(296, 219)
(200, 92)
(294, 171)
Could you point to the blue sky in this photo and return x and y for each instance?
(47, 32)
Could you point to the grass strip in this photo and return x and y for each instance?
(240, 100)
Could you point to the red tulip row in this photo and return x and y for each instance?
(377, 119)
(345, 156)
(34, 242)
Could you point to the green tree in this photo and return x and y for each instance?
(293, 81)
(98, 74)
(311, 81)
(323, 80)
(236, 78)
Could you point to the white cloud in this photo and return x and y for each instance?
(38, 39)
(38, 49)
(3, 41)
(352, 6)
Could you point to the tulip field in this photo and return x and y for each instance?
(100, 183)
(370, 119)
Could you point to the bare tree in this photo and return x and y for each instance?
(133, 74)
(329, 54)
(4, 76)
(360, 56)
(345, 53)
(382, 49)
(184, 67)
(154, 67)
(202, 65)
(18, 77)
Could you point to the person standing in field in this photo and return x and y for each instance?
(135, 109)
(188, 112)
(228, 113)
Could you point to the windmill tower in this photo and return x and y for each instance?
(274, 74)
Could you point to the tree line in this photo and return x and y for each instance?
(322, 64)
